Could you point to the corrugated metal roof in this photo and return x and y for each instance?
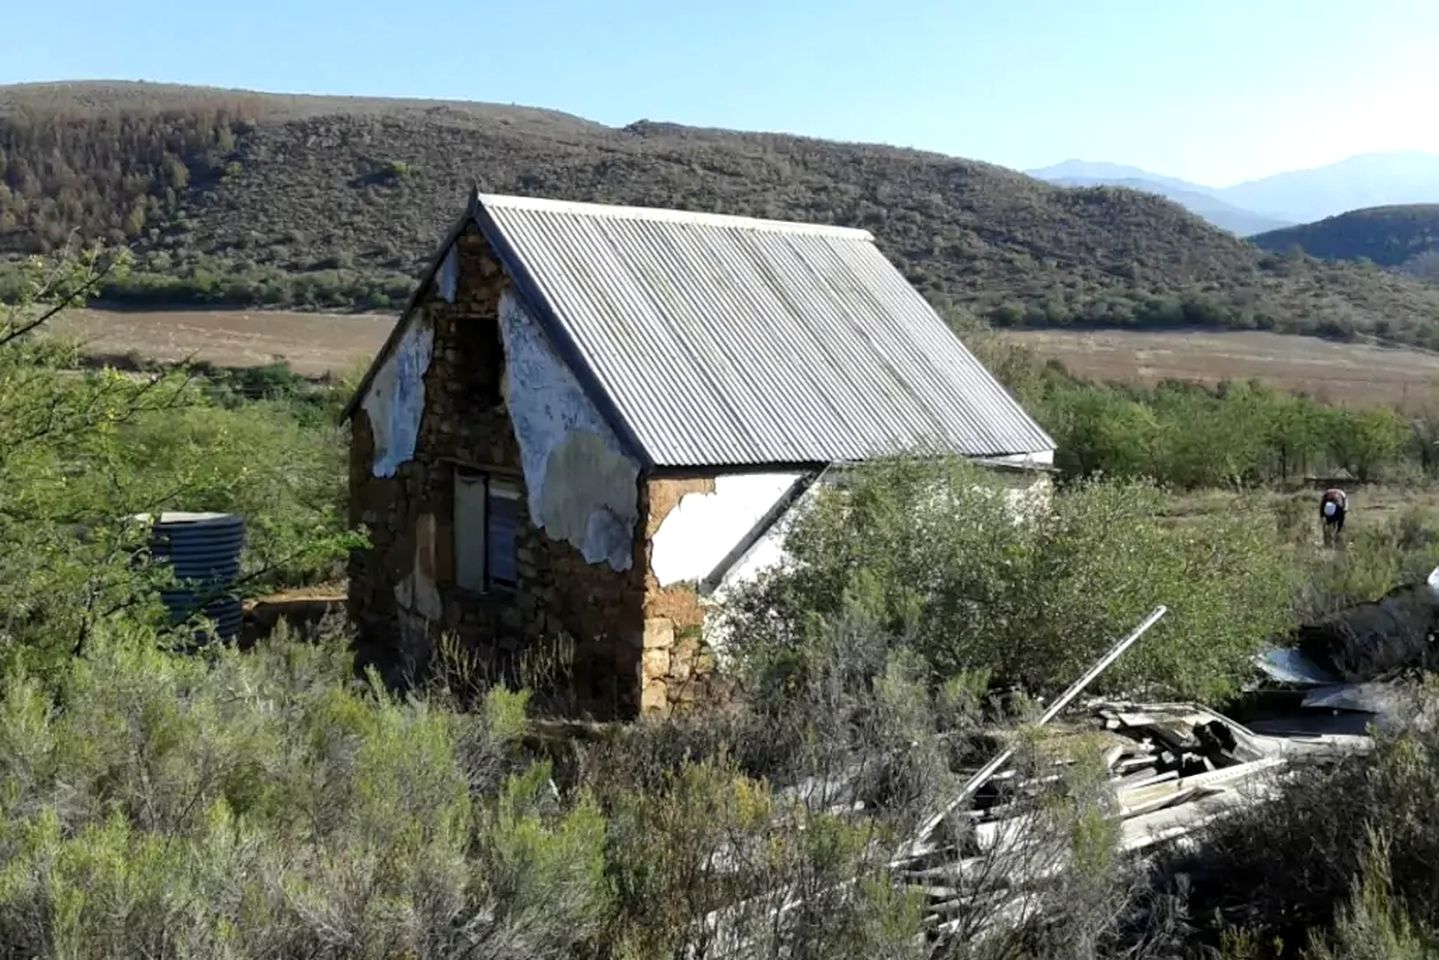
(723, 340)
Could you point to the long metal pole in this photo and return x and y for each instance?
(983, 775)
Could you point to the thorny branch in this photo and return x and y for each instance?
(14, 331)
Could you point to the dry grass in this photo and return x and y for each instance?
(1341, 372)
(318, 343)
(313, 344)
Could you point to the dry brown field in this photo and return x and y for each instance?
(318, 343)
(1351, 373)
(313, 344)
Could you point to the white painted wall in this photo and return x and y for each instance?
(582, 487)
(396, 398)
(703, 527)
(768, 551)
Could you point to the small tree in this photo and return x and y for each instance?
(1366, 442)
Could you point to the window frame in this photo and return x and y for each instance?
(491, 484)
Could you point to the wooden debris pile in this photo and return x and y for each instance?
(988, 858)
(1171, 768)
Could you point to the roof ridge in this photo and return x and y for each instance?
(665, 215)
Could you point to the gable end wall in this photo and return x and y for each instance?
(402, 591)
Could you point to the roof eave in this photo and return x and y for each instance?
(426, 279)
(998, 460)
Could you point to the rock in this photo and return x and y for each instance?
(659, 633)
(680, 691)
(656, 663)
(683, 658)
(655, 698)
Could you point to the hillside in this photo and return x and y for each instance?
(1400, 236)
(235, 197)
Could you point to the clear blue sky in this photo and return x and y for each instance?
(1211, 90)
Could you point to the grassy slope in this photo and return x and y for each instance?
(356, 191)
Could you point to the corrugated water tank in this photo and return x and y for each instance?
(204, 551)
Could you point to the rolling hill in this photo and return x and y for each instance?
(229, 196)
(1406, 237)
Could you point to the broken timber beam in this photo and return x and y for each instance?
(983, 775)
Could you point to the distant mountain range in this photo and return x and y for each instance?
(1269, 203)
(1192, 197)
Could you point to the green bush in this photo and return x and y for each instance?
(960, 580)
(259, 805)
(83, 450)
(1190, 436)
(1376, 558)
(1346, 860)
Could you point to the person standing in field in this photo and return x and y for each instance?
(1333, 505)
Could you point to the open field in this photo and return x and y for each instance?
(312, 343)
(318, 343)
(1332, 370)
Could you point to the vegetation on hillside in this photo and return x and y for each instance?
(1406, 237)
(329, 200)
(119, 177)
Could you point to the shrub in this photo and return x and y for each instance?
(1377, 557)
(262, 805)
(967, 586)
(1360, 849)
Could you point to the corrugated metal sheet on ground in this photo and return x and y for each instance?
(724, 340)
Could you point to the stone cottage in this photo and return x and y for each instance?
(590, 420)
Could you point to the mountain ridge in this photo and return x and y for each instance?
(1226, 216)
(232, 196)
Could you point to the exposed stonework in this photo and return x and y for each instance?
(665, 495)
(403, 594)
(679, 670)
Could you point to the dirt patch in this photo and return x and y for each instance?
(1348, 373)
(312, 344)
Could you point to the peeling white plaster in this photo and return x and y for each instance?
(448, 277)
(417, 592)
(704, 527)
(582, 487)
(396, 398)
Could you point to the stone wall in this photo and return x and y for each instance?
(402, 591)
(679, 670)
